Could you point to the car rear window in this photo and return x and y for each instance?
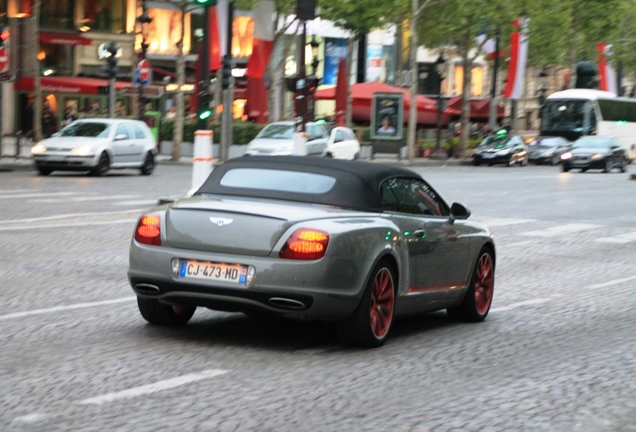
(278, 180)
(86, 129)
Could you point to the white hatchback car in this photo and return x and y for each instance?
(277, 139)
(97, 145)
(342, 144)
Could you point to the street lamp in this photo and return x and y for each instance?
(143, 19)
(312, 80)
(440, 69)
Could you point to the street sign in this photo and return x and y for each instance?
(149, 91)
(4, 60)
(144, 74)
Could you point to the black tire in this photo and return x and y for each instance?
(476, 162)
(162, 314)
(609, 164)
(370, 324)
(476, 303)
(566, 167)
(624, 164)
(44, 171)
(102, 166)
(149, 164)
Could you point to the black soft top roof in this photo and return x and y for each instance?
(357, 183)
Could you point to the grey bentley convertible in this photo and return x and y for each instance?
(354, 242)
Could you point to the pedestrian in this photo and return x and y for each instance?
(49, 123)
(69, 116)
(27, 118)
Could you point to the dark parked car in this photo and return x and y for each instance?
(595, 152)
(353, 242)
(501, 149)
(547, 149)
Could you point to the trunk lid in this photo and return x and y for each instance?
(244, 227)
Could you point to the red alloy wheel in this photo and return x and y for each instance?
(382, 299)
(484, 282)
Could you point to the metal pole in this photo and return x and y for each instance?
(228, 94)
(492, 118)
(303, 80)
(111, 98)
(205, 64)
(144, 49)
(438, 142)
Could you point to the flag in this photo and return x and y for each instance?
(263, 39)
(518, 59)
(608, 77)
(489, 46)
(218, 33)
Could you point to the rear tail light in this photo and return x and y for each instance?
(149, 230)
(305, 244)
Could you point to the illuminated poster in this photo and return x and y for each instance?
(335, 49)
(387, 114)
(374, 62)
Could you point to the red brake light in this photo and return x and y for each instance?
(305, 244)
(149, 230)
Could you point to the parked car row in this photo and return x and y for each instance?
(588, 152)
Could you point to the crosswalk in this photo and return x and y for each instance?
(523, 229)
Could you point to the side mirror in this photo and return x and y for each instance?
(458, 211)
(120, 137)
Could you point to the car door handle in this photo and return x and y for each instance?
(419, 233)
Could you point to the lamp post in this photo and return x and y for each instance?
(440, 69)
(312, 81)
(143, 19)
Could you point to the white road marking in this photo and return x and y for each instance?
(69, 215)
(560, 230)
(140, 202)
(612, 282)
(153, 388)
(84, 199)
(621, 238)
(504, 221)
(37, 195)
(31, 418)
(65, 225)
(64, 308)
(521, 304)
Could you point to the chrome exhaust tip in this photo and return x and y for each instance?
(286, 303)
(147, 289)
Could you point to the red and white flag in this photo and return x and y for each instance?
(518, 59)
(608, 76)
(489, 46)
(218, 33)
(263, 39)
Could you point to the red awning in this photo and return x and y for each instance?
(59, 38)
(72, 85)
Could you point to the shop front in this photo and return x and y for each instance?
(86, 96)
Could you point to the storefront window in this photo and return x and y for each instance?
(57, 14)
(105, 15)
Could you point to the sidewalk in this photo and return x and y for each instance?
(24, 162)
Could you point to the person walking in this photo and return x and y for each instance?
(49, 124)
(69, 116)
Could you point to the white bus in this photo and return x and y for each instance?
(577, 112)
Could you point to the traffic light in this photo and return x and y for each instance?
(4, 54)
(204, 102)
(312, 84)
(226, 80)
(205, 3)
(111, 68)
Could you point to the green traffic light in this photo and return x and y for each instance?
(204, 115)
(206, 2)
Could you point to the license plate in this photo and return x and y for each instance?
(234, 273)
(488, 155)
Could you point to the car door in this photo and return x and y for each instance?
(438, 252)
(123, 144)
(316, 140)
(140, 141)
(338, 144)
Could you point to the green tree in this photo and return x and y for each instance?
(453, 26)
